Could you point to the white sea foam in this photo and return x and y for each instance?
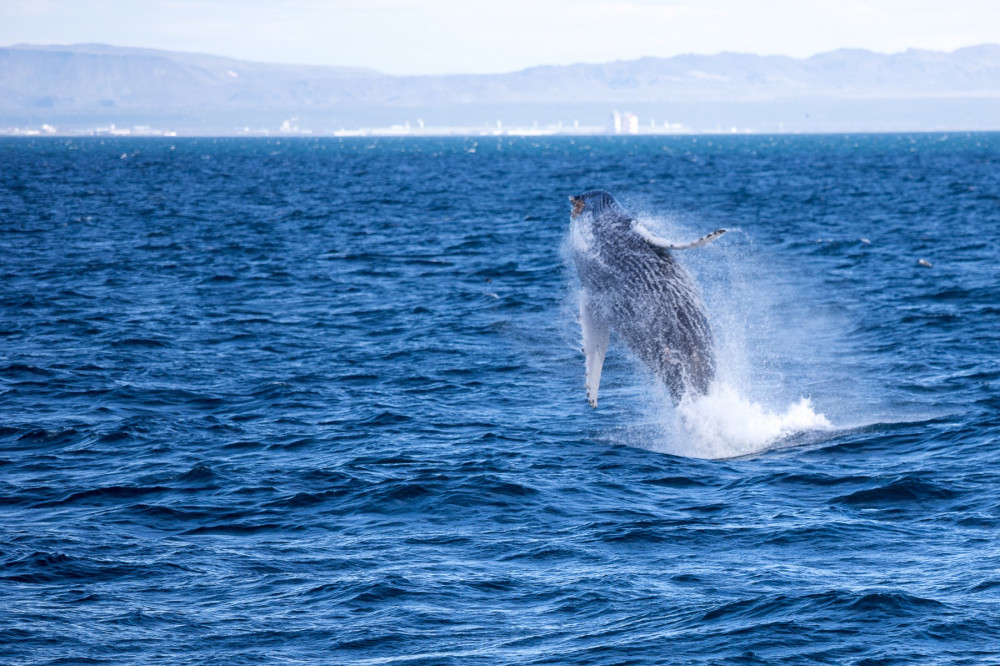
(725, 424)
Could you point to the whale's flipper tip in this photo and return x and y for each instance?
(704, 240)
(656, 241)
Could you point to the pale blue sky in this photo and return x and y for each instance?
(450, 36)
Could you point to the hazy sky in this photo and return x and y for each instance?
(449, 36)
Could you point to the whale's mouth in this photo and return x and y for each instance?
(577, 207)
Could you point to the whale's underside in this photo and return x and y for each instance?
(632, 284)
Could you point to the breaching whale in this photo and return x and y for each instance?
(630, 283)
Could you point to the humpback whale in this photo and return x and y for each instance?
(631, 283)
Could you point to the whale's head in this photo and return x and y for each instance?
(597, 214)
(595, 220)
(598, 204)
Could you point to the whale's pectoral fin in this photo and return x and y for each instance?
(595, 345)
(656, 241)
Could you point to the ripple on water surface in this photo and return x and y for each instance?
(322, 400)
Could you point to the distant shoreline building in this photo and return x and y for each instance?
(624, 123)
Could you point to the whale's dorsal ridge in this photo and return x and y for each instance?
(656, 241)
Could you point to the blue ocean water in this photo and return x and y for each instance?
(274, 401)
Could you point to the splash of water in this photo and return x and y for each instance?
(757, 326)
(725, 424)
(761, 349)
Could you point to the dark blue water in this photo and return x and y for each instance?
(280, 401)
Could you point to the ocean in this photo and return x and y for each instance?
(322, 401)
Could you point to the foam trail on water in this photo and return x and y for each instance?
(724, 424)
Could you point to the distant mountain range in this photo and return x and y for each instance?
(84, 85)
